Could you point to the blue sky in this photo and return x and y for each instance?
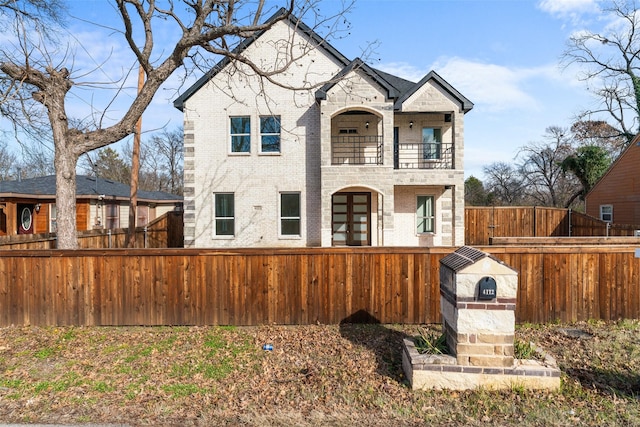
(504, 55)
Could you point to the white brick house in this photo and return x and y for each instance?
(358, 157)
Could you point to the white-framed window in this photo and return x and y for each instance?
(290, 214)
(425, 214)
(240, 131)
(431, 143)
(224, 211)
(270, 134)
(606, 213)
(53, 222)
(112, 214)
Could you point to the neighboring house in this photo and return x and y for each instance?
(28, 206)
(615, 198)
(360, 158)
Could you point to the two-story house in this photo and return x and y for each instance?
(330, 153)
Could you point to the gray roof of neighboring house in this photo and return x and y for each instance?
(85, 186)
(397, 88)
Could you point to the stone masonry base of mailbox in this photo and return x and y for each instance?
(441, 372)
(478, 295)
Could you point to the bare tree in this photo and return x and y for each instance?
(8, 163)
(541, 167)
(206, 30)
(610, 61)
(167, 157)
(503, 184)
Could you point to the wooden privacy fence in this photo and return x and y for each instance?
(484, 223)
(163, 232)
(298, 286)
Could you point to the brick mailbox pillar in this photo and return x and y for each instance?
(478, 300)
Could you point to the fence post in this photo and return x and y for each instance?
(570, 224)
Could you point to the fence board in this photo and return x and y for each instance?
(299, 286)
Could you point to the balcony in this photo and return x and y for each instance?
(422, 155)
(356, 150)
(368, 150)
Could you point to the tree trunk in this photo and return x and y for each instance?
(65, 162)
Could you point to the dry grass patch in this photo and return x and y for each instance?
(316, 375)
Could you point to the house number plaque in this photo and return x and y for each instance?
(487, 289)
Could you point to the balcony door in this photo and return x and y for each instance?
(351, 219)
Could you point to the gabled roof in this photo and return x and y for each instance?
(91, 187)
(179, 102)
(635, 144)
(397, 88)
(432, 75)
(358, 64)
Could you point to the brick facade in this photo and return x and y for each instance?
(306, 163)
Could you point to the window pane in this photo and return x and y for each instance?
(240, 134)
(270, 143)
(431, 141)
(290, 205)
(424, 214)
(240, 144)
(224, 205)
(240, 125)
(224, 227)
(270, 124)
(270, 134)
(291, 227)
(290, 214)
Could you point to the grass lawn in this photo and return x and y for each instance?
(338, 375)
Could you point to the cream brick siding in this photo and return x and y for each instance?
(255, 179)
(306, 163)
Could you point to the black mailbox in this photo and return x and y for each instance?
(487, 288)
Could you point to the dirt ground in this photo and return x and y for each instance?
(339, 375)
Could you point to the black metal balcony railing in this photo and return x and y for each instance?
(422, 155)
(356, 150)
(368, 150)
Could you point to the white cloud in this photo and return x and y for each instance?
(568, 8)
(491, 87)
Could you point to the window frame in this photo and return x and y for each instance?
(111, 214)
(53, 218)
(270, 134)
(610, 213)
(217, 218)
(282, 218)
(435, 148)
(246, 134)
(421, 219)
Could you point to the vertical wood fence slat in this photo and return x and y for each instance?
(299, 286)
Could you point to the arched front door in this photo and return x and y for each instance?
(351, 219)
(25, 219)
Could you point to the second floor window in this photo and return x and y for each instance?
(240, 134)
(270, 134)
(431, 143)
(224, 214)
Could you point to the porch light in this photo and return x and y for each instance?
(37, 207)
(411, 124)
(366, 125)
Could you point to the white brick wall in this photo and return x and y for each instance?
(304, 164)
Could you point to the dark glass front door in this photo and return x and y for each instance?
(351, 219)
